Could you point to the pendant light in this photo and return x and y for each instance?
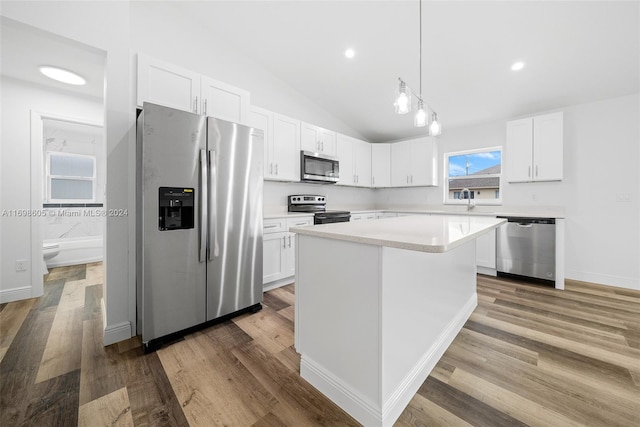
(403, 98)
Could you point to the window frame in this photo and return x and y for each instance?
(476, 201)
(50, 177)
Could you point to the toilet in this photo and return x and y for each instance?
(49, 251)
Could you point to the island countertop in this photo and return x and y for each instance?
(436, 233)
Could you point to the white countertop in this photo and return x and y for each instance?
(436, 233)
(271, 215)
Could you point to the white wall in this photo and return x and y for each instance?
(338, 197)
(601, 152)
(161, 31)
(18, 100)
(103, 26)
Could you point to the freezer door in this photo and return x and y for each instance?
(173, 276)
(234, 266)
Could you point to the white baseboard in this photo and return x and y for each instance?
(15, 294)
(278, 283)
(114, 333)
(369, 413)
(604, 279)
(362, 409)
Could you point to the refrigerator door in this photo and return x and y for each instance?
(234, 266)
(173, 276)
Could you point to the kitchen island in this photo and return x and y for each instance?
(379, 302)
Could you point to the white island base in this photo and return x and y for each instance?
(372, 321)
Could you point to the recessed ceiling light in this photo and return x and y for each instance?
(349, 53)
(62, 75)
(517, 66)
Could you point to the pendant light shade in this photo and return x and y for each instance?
(403, 99)
(402, 103)
(434, 128)
(420, 119)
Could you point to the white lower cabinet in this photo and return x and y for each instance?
(278, 250)
(380, 215)
(363, 216)
(486, 253)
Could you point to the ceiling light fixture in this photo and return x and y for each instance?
(62, 75)
(403, 99)
(517, 66)
(349, 53)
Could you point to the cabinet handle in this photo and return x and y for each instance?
(407, 179)
(284, 242)
(205, 107)
(271, 168)
(195, 105)
(357, 179)
(412, 179)
(536, 170)
(373, 180)
(289, 240)
(322, 145)
(276, 169)
(271, 226)
(300, 223)
(529, 172)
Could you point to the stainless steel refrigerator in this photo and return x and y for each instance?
(199, 221)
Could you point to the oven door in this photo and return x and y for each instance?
(318, 168)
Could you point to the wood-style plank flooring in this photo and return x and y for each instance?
(528, 355)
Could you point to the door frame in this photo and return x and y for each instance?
(37, 167)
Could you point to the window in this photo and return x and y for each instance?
(478, 171)
(71, 178)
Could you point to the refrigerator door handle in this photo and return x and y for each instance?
(204, 205)
(213, 244)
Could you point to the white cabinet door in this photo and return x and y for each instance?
(424, 168)
(400, 161)
(486, 250)
(263, 119)
(547, 147)
(166, 84)
(274, 256)
(519, 153)
(380, 165)
(535, 148)
(318, 140)
(286, 148)
(362, 162)
(345, 157)
(381, 215)
(223, 101)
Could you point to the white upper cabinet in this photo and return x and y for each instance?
(166, 84)
(414, 163)
(534, 148)
(281, 144)
(380, 165)
(355, 161)
(224, 101)
(318, 140)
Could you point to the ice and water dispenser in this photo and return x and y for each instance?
(176, 208)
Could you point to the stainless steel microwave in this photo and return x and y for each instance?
(318, 168)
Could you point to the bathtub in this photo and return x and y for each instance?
(77, 251)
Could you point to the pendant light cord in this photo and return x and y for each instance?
(420, 77)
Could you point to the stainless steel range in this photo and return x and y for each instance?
(317, 205)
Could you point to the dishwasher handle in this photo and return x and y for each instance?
(527, 221)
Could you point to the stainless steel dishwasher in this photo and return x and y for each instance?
(527, 247)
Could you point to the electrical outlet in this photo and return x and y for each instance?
(21, 265)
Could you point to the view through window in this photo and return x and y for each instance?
(478, 171)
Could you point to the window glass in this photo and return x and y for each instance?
(70, 178)
(473, 175)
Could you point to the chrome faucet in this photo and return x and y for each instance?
(469, 205)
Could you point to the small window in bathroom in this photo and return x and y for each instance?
(71, 178)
